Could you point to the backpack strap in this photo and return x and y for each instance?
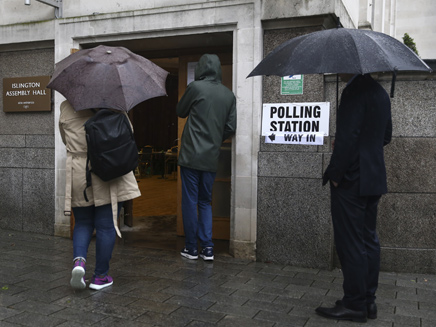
(113, 190)
(88, 171)
(68, 184)
(88, 178)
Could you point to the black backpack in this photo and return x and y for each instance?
(112, 149)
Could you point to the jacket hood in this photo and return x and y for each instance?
(208, 68)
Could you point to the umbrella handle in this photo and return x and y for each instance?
(394, 77)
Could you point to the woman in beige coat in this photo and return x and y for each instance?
(100, 212)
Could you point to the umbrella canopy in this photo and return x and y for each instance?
(107, 77)
(340, 50)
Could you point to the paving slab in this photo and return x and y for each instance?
(157, 287)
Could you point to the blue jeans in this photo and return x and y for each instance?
(99, 218)
(196, 206)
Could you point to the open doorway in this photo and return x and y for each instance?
(154, 219)
(155, 123)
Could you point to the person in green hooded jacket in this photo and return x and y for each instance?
(211, 111)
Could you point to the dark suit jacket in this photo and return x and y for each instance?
(364, 126)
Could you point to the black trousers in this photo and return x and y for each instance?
(357, 244)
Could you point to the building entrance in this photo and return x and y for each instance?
(154, 219)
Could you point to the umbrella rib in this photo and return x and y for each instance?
(386, 55)
(403, 47)
(356, 52)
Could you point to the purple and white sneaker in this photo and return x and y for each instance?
(78, 275)
(100, 282)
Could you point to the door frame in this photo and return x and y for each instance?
(244, 21)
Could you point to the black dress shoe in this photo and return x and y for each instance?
(339, 312)
(371, 309)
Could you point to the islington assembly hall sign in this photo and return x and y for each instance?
(23, 94)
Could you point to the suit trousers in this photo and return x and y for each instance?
(357, 244)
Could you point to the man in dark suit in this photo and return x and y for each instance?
(357, 177)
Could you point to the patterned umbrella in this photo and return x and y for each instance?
(107, 77)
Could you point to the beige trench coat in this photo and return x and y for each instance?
(71, 126)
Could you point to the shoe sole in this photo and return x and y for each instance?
(99, 287)
(206, 258)
(77, 278)
(337, 318)
(186, 255)
(372, 316)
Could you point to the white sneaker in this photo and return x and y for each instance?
(78, 275)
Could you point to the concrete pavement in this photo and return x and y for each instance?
(156, 287)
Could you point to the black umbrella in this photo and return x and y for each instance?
(340, 50)
(107, 77)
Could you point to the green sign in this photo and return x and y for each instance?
(292, 85)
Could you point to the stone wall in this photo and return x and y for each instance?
(406, 222)
(26, 152)
(406, 218)
(294, 221)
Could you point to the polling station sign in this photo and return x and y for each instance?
(295, 123)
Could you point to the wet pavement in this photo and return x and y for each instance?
(157, 287)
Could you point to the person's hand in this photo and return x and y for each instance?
(335, 184)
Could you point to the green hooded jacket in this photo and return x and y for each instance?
(211, 111)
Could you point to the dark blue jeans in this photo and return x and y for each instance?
(196, 206)
(99, 218)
